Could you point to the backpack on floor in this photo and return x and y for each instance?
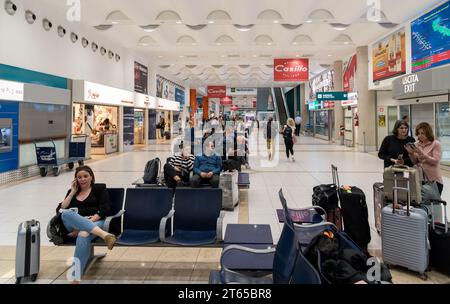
(151, 171)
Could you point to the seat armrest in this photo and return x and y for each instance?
(163, 224)
(243, 249)
(110, 218)
(219, 227)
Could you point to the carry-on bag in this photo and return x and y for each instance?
(439, 236)
(28, 250)
(230, 191)
(404, 233)
(379, 202)
(411, 174)
(355, 215)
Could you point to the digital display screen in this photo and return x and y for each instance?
(430, 35)
(6, 135)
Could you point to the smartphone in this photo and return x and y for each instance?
(400, 157)
(412, 145)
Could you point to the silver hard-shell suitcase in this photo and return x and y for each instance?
(230, 190)
(404, 233)
(28, 250)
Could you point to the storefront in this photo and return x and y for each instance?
(321, 117)
(98, 112)
(167, 109)
(142, 105)
(424, 96)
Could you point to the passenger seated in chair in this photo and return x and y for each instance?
(178, 168)
(207, 167)
(83, 213)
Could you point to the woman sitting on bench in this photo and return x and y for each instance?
(83, 212)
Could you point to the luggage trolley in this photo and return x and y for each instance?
(46, 155)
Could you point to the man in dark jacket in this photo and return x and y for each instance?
(207, 167)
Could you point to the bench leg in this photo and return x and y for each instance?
(93, 258)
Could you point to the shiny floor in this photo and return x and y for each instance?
(37, 198)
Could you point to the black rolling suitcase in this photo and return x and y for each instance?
(439, 237)
(354, 213)
(326, 196)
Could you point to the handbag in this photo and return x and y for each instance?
(430, 190)
(56, 231)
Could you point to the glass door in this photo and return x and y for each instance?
(392, 118)
(443, 129)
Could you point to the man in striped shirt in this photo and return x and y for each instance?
(178, 168)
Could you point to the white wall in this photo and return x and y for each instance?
(31, 47)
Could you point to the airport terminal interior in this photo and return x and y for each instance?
(215, 142)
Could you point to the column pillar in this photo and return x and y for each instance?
(303, 106)
(366, 104)
(205, 108)
(193, 103)
(338, 110)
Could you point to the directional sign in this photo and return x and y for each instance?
(332, 96)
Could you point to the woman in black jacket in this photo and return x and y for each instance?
(84, 210)
(393, 150)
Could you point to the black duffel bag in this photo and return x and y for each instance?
(326, 196)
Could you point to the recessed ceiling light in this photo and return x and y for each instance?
(309, 21)
(254, 56)
(114, 22)
(178, 22)
(329, 55)
(276, 21)
(223, 56)
(160, 56)
(297, 55)
(181, 56)
(211, 21)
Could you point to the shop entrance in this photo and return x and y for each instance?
(139, 129)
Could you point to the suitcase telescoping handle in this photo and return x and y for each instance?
(334, 173)
(432, 202)
(395, 190)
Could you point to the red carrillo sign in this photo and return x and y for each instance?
(217, 91)
(291, 69)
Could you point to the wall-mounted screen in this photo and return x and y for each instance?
(430, 35)
(6, 135)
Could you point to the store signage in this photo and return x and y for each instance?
(332, 96)
(291, 69)
(409, 83)
(352, 100)
(217, 91)
(168, 105)
(314, 105)
(101, 94)
(328, 104)
(234, 108)
(241, 91)
(144, 101)
(10, 90)
(226, 101)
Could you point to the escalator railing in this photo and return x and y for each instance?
(280, 104)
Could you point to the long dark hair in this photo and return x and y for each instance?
(88, 170)
(398, 124)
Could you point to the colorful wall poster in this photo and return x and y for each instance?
(140, 78)
(430, 39)
(167, 89)
(350, 74)
(389, 56)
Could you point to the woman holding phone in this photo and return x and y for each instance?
(393, 150)
(83, 212)
(427, 153)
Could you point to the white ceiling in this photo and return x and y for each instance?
(243, 62)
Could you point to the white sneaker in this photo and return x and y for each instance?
(293, 159)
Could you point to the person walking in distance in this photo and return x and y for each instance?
(298, 123)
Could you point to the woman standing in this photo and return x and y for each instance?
(84, 210)
(427, 153)
(393, 150)
(288, 135)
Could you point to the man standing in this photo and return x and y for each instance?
(270, 131)
(298, 123)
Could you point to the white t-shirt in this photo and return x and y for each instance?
(298, 120)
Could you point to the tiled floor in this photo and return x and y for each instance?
(38, 197)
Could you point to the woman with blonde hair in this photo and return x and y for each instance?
(289, 137)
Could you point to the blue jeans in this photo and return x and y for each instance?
(73, 221)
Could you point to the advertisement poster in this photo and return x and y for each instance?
(128, 127)
(179, 96)
(291, 69)
(166, 89)
(382, 120)
(322, 83)
(140, 78)
(389, 56)
(430, 39)
(350, 74)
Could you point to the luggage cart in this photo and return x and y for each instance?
(47, 159)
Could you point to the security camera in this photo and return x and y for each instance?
(94, 47)
(84, 42)
(46, 24)
(30, 17)
(61, 31)
(417, 100)
(10, 7)
(102, 51)
(110, 54)
(73, 37)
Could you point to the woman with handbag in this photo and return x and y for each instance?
(83, 213)
(427, 154)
